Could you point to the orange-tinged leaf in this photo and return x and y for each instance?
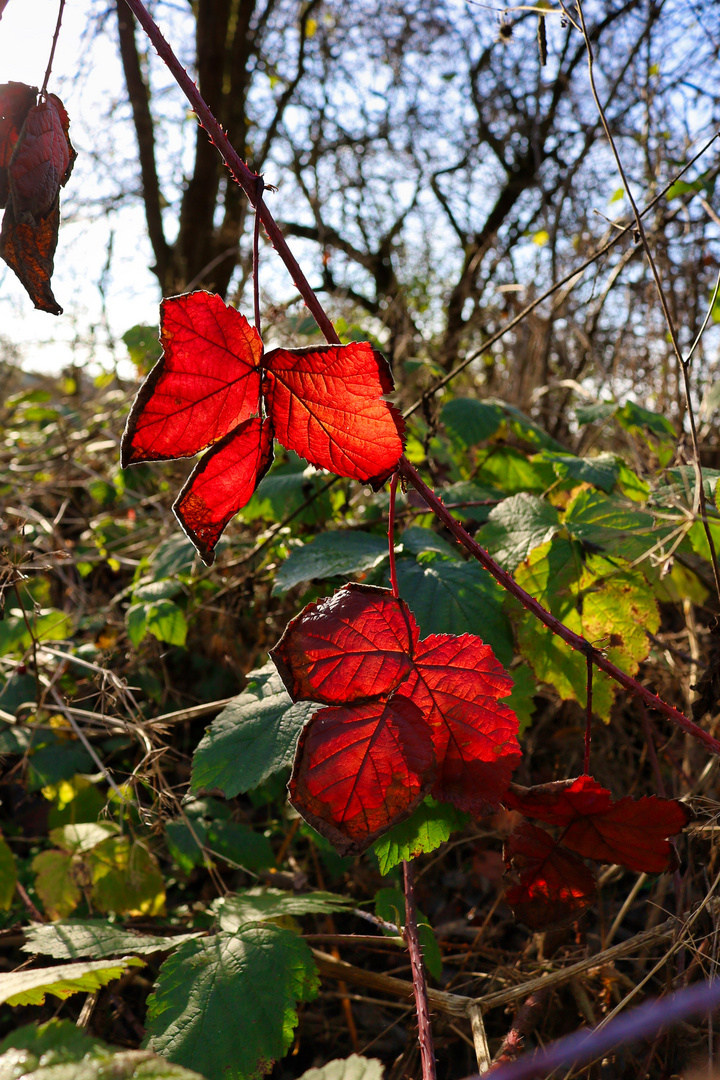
(29, 250)
(327, 405)
(206, 383)
(223, 482)
(350, 647)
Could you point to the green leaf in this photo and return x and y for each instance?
(136, 622)
(46, 625)
(601, 471)
(30, 987)
(252, 738)
(471, 421)
(175, 555)
(595, 413)
(164, 589)
(58, 1050)
(429, 826)
(612, 525)
(522, 698)
(416, 540)
(457, 598)
(465, 491)
(55, 883)
(352, 1068)
(331, 554)
(72, 938)
(225, 1005)
(607, 601)
(59, 761)
(83, 836)
(518, 525)
(240, 845)
(390, 906)
(167, 622)
(285, 489)
(260, 904)
(144, 346)
(126, 878)
(8, 876)
(184, 844)
(509, 470)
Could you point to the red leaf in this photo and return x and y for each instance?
(351, 647)
(326, 404)
(223, 482)
(203, 386)
(41, 161)
(29, 250)
(15, 101)
(550, 886)
(457, 683)
(361, 769)
(631, 832)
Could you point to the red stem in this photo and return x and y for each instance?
(575, 641)
(427, 1051)
(391, 535)
(48, 69)
(256, 273)
(249, 181)
(588, 714)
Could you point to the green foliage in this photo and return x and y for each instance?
(252, 738)
(331, 554)
(430, 825)
(390, 906)
(225, 1005)
(260, 905)
(72, 938)
(58, 1050)
(30, 987)
(8, 876)
(518, 525)
(352, 1068)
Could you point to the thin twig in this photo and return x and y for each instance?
(391, 535)
(48, 70)
(256, 265)
(684, 364)
(427, 1051)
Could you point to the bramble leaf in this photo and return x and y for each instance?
(225, 1005)
(259, 905)
(326, 404)
(204, 385)
(350, 647)
(361, 768)
(339, 552)
(73, 938)
(352, 1068)
(252, 738)
(30, 987)
(548, 886)
(425, 830)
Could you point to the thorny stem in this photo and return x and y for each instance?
(575, 641)
(684, 364)
(391, 535)
(427, 1051)
(52, 50)
(588, 713)
(256, 268)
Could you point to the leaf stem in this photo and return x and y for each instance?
(256, 267)
(575, 641)
(588, 713)
(391, 534)
(427, 1051)
(48, 69)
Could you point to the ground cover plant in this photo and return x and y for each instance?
(474, 676)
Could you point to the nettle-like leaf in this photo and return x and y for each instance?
(550, 885)
(209, 390)
(413, 717)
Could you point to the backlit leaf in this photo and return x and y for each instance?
(30, 987)
(126, 878)
(518, 525)
(41, 161)
(548, 886)
(204, 385)
(55, 882)
(223, 482)
(361, 768)
(326, 404)
(425, 830)
(15, 100)
(225, 1005)
(349, 647)
(456, 684)
(352, 1068)
(8, 876)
